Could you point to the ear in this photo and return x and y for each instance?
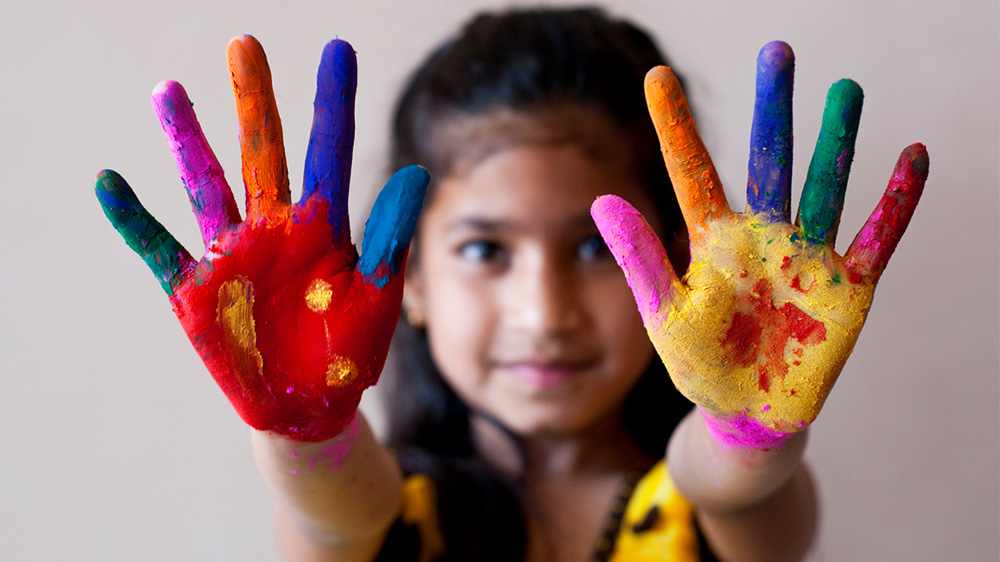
(413, 296)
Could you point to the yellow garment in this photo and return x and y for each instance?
(420, 510)
(657, 526)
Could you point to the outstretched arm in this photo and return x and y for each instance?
(761, 325)
(289, 320)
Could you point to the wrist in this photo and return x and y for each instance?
(739, 431)
(302, 456)
(724, 478)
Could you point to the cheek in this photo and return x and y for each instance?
(459, 330)
(620, 327)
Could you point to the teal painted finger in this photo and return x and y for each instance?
(391, 224)
(163, 254)
(826, 181)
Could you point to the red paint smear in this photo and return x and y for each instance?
(786, 262)
(797, 285)
(761, 336)
(281, 257)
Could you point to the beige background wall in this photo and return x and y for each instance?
(115, 444)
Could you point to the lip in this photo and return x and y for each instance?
(545, 375)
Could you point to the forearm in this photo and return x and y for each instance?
(752, 504)
(339, 495)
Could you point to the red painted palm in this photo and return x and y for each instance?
(290, 321)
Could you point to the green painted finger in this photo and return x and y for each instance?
(164, 255)
(826, 181)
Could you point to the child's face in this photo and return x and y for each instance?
(528, 316)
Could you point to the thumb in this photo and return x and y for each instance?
(391, 224)
(639, 253)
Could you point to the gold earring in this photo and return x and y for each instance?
(414, 318)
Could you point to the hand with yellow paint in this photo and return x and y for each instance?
(291, 322)
(760, 326)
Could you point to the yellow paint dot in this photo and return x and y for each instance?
(341, 371)
(318, 296)
(239, 332)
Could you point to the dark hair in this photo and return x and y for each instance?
(527, 62)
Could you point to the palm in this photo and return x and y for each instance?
(761, 325)
(290, 321)
(775, 320)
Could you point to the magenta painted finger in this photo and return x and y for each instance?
(877, 239)
(638, 252)
(211, 199)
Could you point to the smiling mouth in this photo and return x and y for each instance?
(545, 375)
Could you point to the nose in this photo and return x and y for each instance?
(543, 298)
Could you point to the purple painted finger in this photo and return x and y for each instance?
(877, 239)
(638, 252)
(211, 198)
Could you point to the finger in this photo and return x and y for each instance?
(265, 172)
(164, 255)
(826, 181)
(211, 199)
(877, 239)
(391, 223)
(695, 180)
(328, 159)
(770, 170)
(638, 252)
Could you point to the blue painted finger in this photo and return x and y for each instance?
(826, 181)
(331, 143)
(391, 224)
(164, 255)
(769, 180)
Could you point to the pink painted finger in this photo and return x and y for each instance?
(638, 252)
(877, 239)
(211, 199)
(695, 180)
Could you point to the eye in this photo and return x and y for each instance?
(481, 251)
(592, 248)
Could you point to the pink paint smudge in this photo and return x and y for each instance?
(739, 430)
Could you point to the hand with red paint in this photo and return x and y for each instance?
(290, 321)
(761, 325)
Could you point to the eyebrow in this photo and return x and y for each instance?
(496, 225)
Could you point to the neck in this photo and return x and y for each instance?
(605, 447)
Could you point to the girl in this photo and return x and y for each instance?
(530, 417)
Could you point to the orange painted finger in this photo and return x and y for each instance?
(265, 171)
(695, 180)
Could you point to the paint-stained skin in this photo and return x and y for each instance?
(767, 314)
(291, 322)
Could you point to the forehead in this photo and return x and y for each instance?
(532, 186)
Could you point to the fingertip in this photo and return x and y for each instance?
(338, 68)
(607, 211)
(916, 154)
(110, 182)
(339, 51)
(410, 187)
(660, 80)
(242, 42)
(777, 55)
(416, 178)
(848, 94)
